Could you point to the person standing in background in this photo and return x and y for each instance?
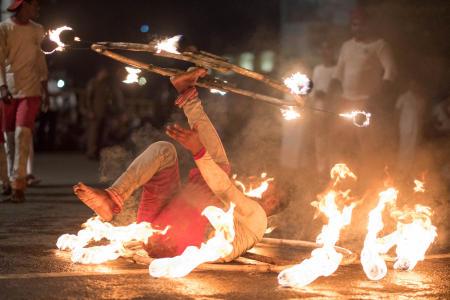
(411, 108)
(23, 84)
(101, 97)
(321, 77)
(364, 80)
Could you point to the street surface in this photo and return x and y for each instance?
(32, 268)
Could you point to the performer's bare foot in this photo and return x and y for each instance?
(98, 200)
(187, 79)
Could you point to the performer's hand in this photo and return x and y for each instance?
(188, 138)
(5, 94)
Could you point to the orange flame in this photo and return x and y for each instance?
(54, 36)
(290, 113)
(415, 234)
(373, 265)
(299, 83)
(95, 230)
(254, 192)
(419, 186)
(132, 76)
(169, 45)
(219, 246)
(324, 261)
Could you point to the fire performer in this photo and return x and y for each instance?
(165, 203)
(23, 81)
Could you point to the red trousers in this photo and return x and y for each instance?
(20, 112)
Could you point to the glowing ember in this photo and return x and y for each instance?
(132, 76)
(219, 246)
(373, 264)
(254, 192)
(270, 229)
(96, 230)
(299, 83)
(214, 91)
(324, 261)
(169, 45)
(54, 36)
(419, 186)
(415, 234)
(290, 113)
(359, 118)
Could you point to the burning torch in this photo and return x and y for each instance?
(297, 86)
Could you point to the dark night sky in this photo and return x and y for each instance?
(216, 26)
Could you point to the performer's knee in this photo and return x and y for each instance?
(167, 152)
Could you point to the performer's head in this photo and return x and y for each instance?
(359, 24)
(28, 9)
(276, 198)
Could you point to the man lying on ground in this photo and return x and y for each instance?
(165, 203)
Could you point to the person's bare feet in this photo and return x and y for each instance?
(98, 200)
(187, 79)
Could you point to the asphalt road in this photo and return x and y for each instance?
(32, 268)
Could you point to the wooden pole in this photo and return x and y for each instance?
(202, 58)
(206, 82)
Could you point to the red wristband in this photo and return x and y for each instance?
(200, 154)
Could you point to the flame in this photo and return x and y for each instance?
(169, 45)
(324, 261)
(219, 246)
(54, 36)
(214, 91)
(95, 230)
(290, 113)
(299, 83)
(270, 229)
(373, 265)
(254, 192)
(132, 76)
(419, 186)
(415, 234)
(359, 118)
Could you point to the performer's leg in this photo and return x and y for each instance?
(157, 157)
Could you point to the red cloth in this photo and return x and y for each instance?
(2, 135)
(164, 203)
(20, 112)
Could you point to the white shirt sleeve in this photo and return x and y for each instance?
(340, 66)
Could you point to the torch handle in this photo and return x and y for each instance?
(207, 82)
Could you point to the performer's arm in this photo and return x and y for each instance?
(207, 133)
(216, 178)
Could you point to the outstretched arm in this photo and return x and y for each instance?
(216, 178)
(190, 103)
